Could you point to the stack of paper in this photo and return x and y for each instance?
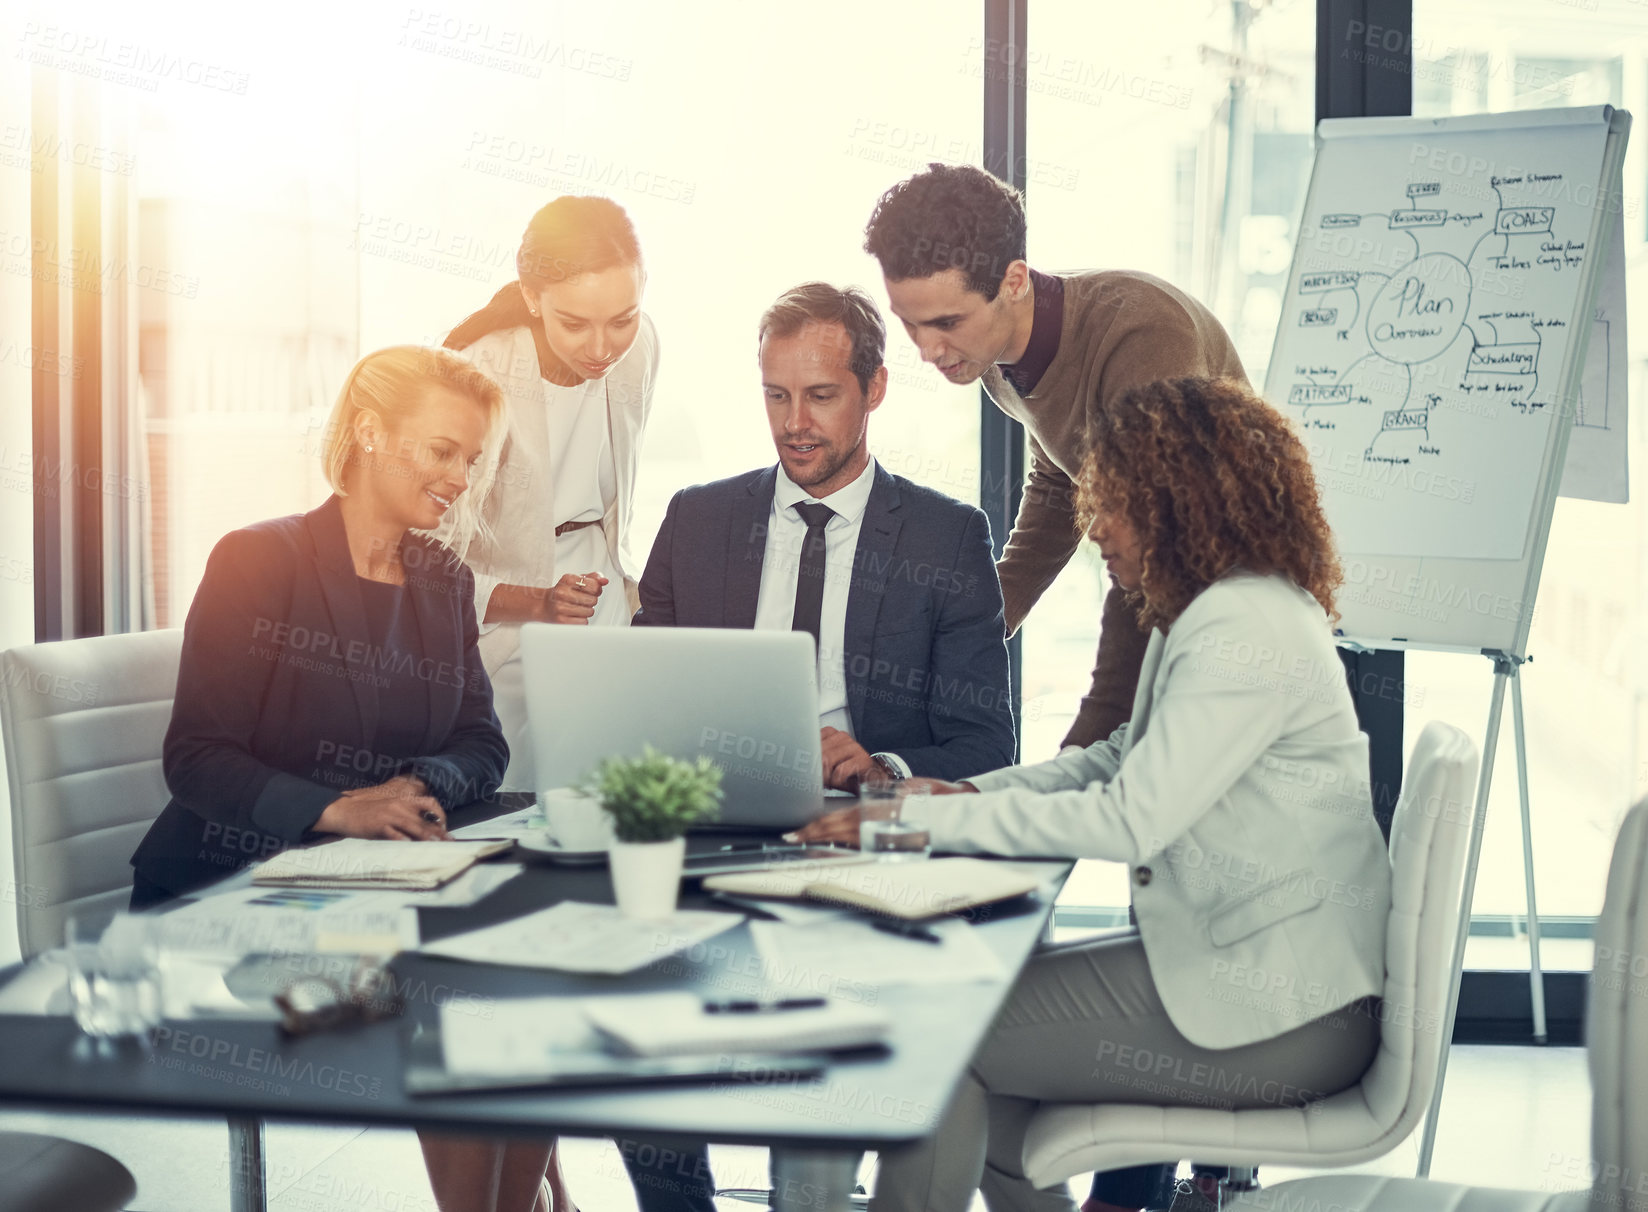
(353, 862)
(523, 822)
(676, 1024)
(814, 957)
(575, 937)
(906, 890)
(518, 1034)
(288, 921)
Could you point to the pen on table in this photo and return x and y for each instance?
(750, 1006)
(913, 930)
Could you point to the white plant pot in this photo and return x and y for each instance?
(646, 876)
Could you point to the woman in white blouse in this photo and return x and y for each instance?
(577, 359)
(1237, 794)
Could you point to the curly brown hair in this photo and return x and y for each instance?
(1211, 478)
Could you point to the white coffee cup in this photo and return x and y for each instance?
(575, 821)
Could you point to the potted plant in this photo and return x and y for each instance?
(652, 800)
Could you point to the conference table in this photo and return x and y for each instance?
(816, 1128)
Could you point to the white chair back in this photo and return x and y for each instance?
(1429, 844)
(84, 722)
(1616, 1031)
(1430, 835)
(1617, 1039)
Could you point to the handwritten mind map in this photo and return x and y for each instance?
(1421, 342)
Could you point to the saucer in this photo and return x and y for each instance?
(537, 843)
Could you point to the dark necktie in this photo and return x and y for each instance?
(809, 581)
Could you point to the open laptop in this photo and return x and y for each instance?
(747, 700)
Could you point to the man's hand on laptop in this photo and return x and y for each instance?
(845, 760)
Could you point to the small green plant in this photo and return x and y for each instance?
(655, 798)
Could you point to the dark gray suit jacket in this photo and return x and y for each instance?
(276, 713)
(925, 645)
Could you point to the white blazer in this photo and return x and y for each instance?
(1238, 794)
(517, 497)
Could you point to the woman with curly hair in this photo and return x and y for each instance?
(1237, 795)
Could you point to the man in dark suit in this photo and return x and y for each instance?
(894, 581)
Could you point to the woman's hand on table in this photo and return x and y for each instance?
(396, 810)
(841, 826)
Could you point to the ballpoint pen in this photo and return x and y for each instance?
(913, 930)
(752, 1006)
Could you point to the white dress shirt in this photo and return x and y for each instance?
(781, 568)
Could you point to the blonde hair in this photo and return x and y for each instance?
(388, 382)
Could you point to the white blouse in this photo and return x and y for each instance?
(584, 477)
(564, 454)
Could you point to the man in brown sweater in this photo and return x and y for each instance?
(1050, 350)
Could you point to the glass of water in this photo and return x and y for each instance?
(114, 973)
(880, 831)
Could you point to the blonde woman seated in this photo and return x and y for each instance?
(1237, 795)
(330, 681)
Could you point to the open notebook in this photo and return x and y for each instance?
(904, 890)
(371, 863)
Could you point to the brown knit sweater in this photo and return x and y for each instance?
(1121, 329)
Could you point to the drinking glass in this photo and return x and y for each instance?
(880, 831)
(114, 973)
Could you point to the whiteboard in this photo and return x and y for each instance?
(1434, 330)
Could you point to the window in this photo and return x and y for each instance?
(242, 145)
(298, 200)
(1584, 690)
(1183, 155)
(749, 153)
(19, 358)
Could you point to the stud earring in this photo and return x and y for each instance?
(369, 448)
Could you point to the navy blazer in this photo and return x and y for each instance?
(277, 700)
(925, 652)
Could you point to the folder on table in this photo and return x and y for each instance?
(908, 890)
(548, 1042)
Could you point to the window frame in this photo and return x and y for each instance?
(83, 577)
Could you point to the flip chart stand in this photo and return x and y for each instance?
(1507, 669)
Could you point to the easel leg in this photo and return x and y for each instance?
(1502, 672)
(1536, 979)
